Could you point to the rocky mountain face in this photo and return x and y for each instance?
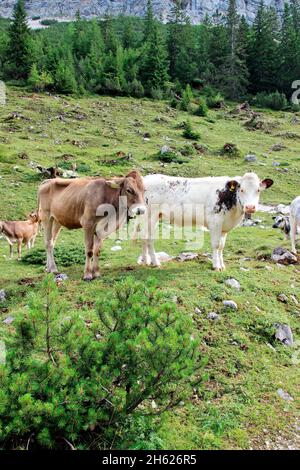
(196, 9)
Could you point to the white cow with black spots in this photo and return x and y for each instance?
(222, 203)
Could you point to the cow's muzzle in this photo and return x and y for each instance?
(250, 209)
(136, 210)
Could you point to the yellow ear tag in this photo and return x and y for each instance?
(232, 188)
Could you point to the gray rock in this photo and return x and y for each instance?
(95, 8)
(197, 310)
(8, 320)
(250, 158)
(186, 256)
(284, 395)
(282, 298)
(61, 277)
(163, 257)
(284, 334)
(165, 149)
(283, 256)
(2, 295)
(213, 316)
(230, 304)
(233, 283)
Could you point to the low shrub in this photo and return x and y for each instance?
(186, 99)
(202, 109)
(230, 150)
(48, 22)
(276, 100)
(171, 157)
(215, 101)
(67, 383)
(64, 256)
(188, 132)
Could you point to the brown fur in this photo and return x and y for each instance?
(73, 204)
(20, 232)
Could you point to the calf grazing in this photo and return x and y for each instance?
(20, 232)
(294, 221)
(282, 222)
(223, 202)
(97, 205)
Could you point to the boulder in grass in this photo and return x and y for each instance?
(2, 295)
(283, 256)
(187, 256)
(233, 283)
(250, 158)
(284, 334)
(230, 304)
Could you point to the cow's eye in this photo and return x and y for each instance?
(129, 191)
(242, 190)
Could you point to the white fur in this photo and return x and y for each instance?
(188, 196)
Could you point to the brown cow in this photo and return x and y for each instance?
(20, 232)
(97, 205)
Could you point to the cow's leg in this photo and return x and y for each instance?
(96, 250)
(293, 234)
(222, 246)
(20, 241)
(154, 260)
(33, 241)
(144, 258)
(216, 236)
(152, 224)
(11, 250)
(48, 228)
(89, 246)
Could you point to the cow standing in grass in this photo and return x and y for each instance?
(97, 205)
(223, 203)
(20, 232)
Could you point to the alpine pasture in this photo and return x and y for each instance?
(237, 404)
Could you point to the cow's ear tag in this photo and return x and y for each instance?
(113, 184)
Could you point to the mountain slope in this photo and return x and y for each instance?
(196, 9)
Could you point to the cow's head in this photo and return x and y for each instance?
(131, 187)
(282, 222)
(34, 217)
(248, 190)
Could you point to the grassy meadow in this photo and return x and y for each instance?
(238, 405)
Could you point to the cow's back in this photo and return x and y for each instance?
(68, 200)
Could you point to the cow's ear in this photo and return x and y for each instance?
(232, 186)
(267, 183)
(114, 184)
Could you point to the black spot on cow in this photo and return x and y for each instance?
(227, 197)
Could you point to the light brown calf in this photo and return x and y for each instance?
(20, 232)
(80, 203)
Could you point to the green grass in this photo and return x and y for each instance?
(238, 400)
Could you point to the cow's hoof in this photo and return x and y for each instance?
(96, 275)
(88, 278)
(218, 270)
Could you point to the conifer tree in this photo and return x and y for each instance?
(235, 68)
(289, 51)
(154, 68)
(181, 45)
(19, 53)
(264, 50)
